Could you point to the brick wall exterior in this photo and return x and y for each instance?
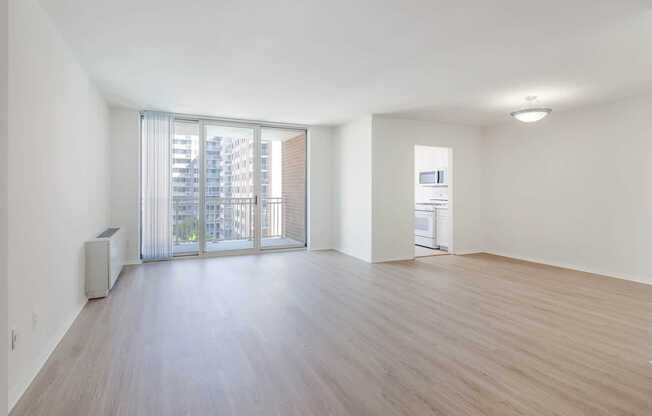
(294, 187)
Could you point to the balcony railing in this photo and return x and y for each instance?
(229, 219)
(272, 217)
(226, 219)
(185, 223)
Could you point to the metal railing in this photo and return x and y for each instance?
(272, 217)
(226, 219)
(229, 219)
(185, 221)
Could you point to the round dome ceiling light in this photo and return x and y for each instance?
(530, 115)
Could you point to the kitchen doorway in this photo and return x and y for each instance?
(433, 201)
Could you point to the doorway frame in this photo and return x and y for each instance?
(451, 191)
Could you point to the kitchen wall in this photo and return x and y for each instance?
(393, 184)
(574, 189)
(58, 180)
(4, 132)
(352, 187)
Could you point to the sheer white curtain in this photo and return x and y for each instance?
(156, 204)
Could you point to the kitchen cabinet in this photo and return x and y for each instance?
(443, 227)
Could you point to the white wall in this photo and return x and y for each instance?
(320, 173)
(4, 63)
(575, 189)
(58, 186)
(352, 147)
(125, 176)
(393, 184)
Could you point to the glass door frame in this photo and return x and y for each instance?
(305, 192)
(185, 253)
(257, 127)
(203, 123)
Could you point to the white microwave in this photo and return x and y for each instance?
(432, 177)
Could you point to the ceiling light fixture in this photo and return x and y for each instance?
(530, 115)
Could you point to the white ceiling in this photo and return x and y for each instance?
(324, 62)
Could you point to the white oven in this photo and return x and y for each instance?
(425, 225)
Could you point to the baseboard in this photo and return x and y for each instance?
(16, 392)
(467, 252)
(575, 267)
(387, 260)
(131, 262)
(320, 249)
(339, 250)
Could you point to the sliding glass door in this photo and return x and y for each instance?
(185, 192)
(237, 187)
(283, 187)
(229, 187)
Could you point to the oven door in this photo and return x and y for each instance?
(424, 223)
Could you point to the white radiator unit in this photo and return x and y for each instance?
(104, 261)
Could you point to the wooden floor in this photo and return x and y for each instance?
(420, 251)
(320, 333)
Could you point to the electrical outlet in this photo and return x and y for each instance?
(34, 320)
(14, 337)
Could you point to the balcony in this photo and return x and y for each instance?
(229, 224)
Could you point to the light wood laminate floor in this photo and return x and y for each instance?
(321, 333)
(420, 251)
